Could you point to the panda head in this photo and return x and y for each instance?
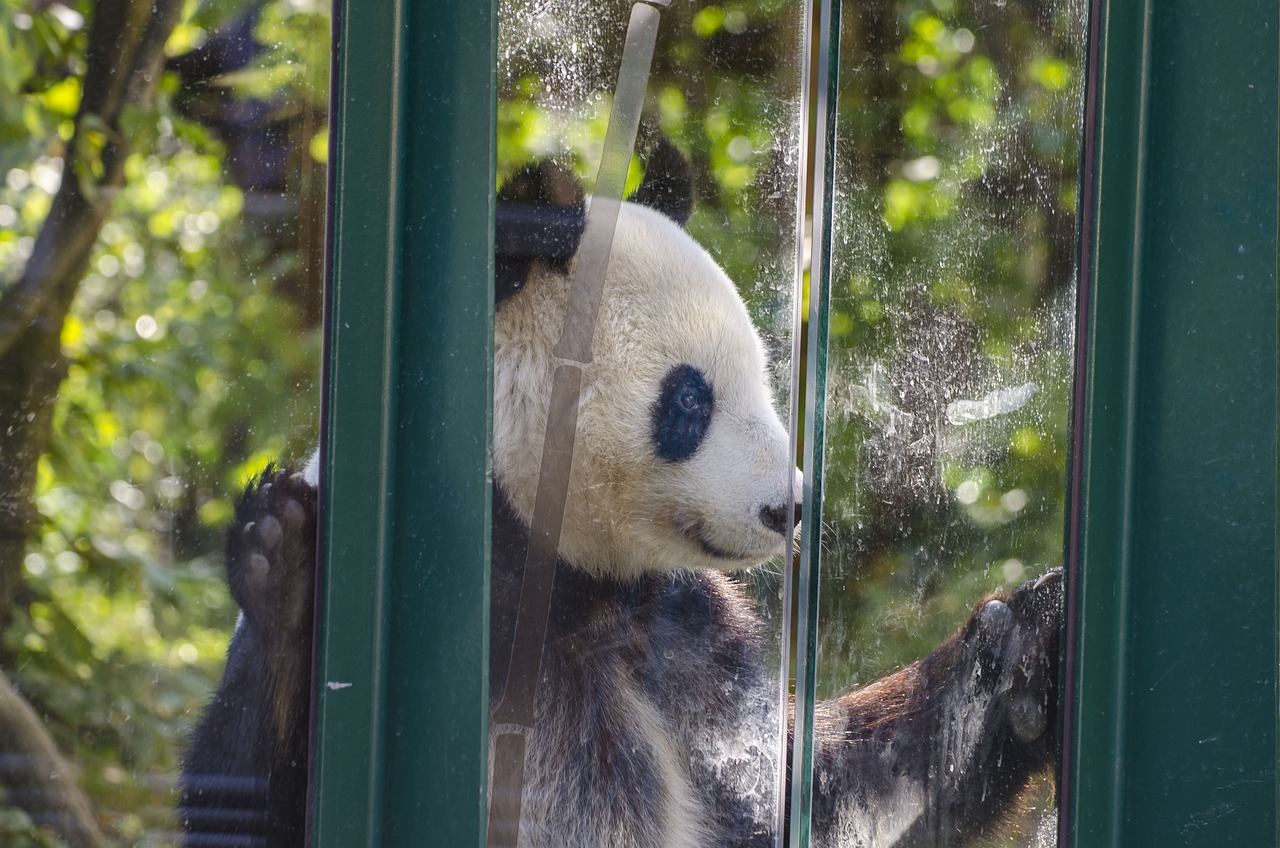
(680, 459)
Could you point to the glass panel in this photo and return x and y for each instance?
(952, 291)
(660, 694)
(161, 238)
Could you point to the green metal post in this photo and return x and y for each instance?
(1172, 729)
(401, 736)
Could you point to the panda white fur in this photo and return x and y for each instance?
(657, 721)
(670, 320)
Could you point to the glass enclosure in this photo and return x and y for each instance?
(162, 244)
(950, 278)
(720, 134)
(161, 247)
(947, 303)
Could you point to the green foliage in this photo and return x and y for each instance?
(189, 367)
(952, 282)
(18, 831)
(296, 59)
(39, 52)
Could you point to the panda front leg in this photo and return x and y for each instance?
(245, 773)
(937, 753)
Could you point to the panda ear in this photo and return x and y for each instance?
(668, 183)
(540, 216)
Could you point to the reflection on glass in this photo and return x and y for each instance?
(952, 289)
(161, 229)
(657, 713)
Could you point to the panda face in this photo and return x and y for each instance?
(680, 459)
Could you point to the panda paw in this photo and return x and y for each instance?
(271, 553)
(1015, 643)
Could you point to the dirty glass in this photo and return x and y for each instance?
(948, 290)
(162, 177)
(647, 703)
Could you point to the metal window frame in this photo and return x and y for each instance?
(1171, 711)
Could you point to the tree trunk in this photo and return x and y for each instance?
(124, 53)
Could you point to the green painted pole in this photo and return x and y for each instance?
(1172, 728)
(400, 733)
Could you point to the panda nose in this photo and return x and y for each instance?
(775, 517)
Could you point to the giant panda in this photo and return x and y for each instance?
(657, 719)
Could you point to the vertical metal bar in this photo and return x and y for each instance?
(1106, 443)
(1174, 713)
(404, 646)
(436, 772)
(358, 421)
(798, 358)
(1087, 184)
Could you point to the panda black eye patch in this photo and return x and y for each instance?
(682, 413)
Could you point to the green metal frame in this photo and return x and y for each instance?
(1172, 710)
(401, 725)
(1171, 731)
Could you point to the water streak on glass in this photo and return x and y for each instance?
(514, 717)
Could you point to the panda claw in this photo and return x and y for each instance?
(1053, 575)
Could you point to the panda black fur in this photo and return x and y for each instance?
(656, 717)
